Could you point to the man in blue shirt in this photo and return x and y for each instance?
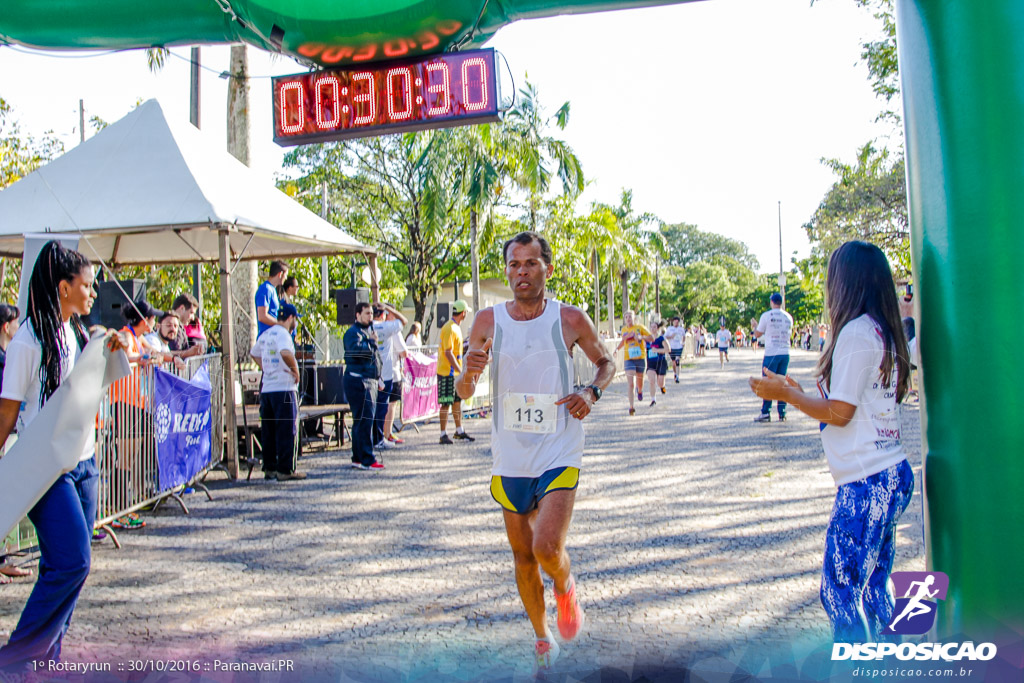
(267, 302)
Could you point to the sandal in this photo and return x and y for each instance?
(9, 570)
(130, 521)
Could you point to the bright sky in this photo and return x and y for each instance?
(712, 112)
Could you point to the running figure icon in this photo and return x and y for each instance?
(916, 607)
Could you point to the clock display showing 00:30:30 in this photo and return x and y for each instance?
(441, 91)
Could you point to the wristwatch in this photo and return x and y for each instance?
(597, 391)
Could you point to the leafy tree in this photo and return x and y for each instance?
(402, 194)
(20, 154)
(532, 157)
(867, 202)
(686, 243)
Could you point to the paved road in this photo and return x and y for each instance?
(696, 531)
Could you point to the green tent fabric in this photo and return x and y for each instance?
(325, 32)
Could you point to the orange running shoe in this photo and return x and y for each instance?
(570, 614)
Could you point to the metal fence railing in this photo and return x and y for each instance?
(126, 454)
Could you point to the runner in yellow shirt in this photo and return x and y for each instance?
(633, 337)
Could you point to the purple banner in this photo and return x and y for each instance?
(419, 392)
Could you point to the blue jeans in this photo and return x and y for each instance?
(64, 519)
(860, 547)
(362, 399)
(380, 410)
(777, 364)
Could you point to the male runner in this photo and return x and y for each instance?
(676, 335)
(724, 337)
(536, 433)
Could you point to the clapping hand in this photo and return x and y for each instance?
(773, 387)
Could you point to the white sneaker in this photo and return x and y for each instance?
(545, 654)
(384, 445)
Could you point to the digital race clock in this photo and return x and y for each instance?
(450, 89)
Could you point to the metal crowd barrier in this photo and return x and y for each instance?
(126, 441)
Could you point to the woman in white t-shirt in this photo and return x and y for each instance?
(864, 374)
(40, 357)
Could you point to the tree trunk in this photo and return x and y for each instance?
(612, 332)
(474, 248)
(596, 268)
(244, 279)
(624, 277)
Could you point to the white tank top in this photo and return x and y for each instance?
(530, 369)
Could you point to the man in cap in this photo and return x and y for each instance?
(449, 365)
(776, 326)
(274, 353)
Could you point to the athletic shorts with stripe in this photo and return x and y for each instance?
(522, 494)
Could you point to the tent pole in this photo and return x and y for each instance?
(374, 285)
(228, 355)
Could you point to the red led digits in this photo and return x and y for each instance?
(369, 98)
(481, 66)
(300, 107)
(441, 87)
(406, 95)
(399, 83)
(328, 109)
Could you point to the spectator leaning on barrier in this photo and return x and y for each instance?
(387, 324)
(274, 353)
(160, 338)
(362, 377)
(185, 307)
(449, 364)
(267, 301)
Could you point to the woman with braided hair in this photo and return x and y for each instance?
(39, 357)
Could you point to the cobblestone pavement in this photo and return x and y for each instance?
(695, 531)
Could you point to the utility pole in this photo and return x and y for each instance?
(81, 120)
(782, 273)
(324, 284)
(193, 116)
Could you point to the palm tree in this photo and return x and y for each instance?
(529, 152)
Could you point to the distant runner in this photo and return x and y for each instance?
(536, 433)
(634, 338)
(724, 337)
(676, 336)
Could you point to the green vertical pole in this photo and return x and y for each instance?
(962, 66)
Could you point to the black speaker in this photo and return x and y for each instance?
(444, 314)
(330, 385)
(346, 300)
(307, 385)
(108, 309)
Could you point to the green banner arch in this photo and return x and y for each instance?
(325, 32)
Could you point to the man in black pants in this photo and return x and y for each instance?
(274, 353)
(362, 382)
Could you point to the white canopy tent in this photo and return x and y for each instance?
(146, 190)
(149, 191)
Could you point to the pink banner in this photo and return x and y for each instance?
(419, 393)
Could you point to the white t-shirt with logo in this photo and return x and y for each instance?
(724, 337)
(268, 348)
(870, 443)
(675, 336)
(387, 331)
(22, 381)
(777, 326)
